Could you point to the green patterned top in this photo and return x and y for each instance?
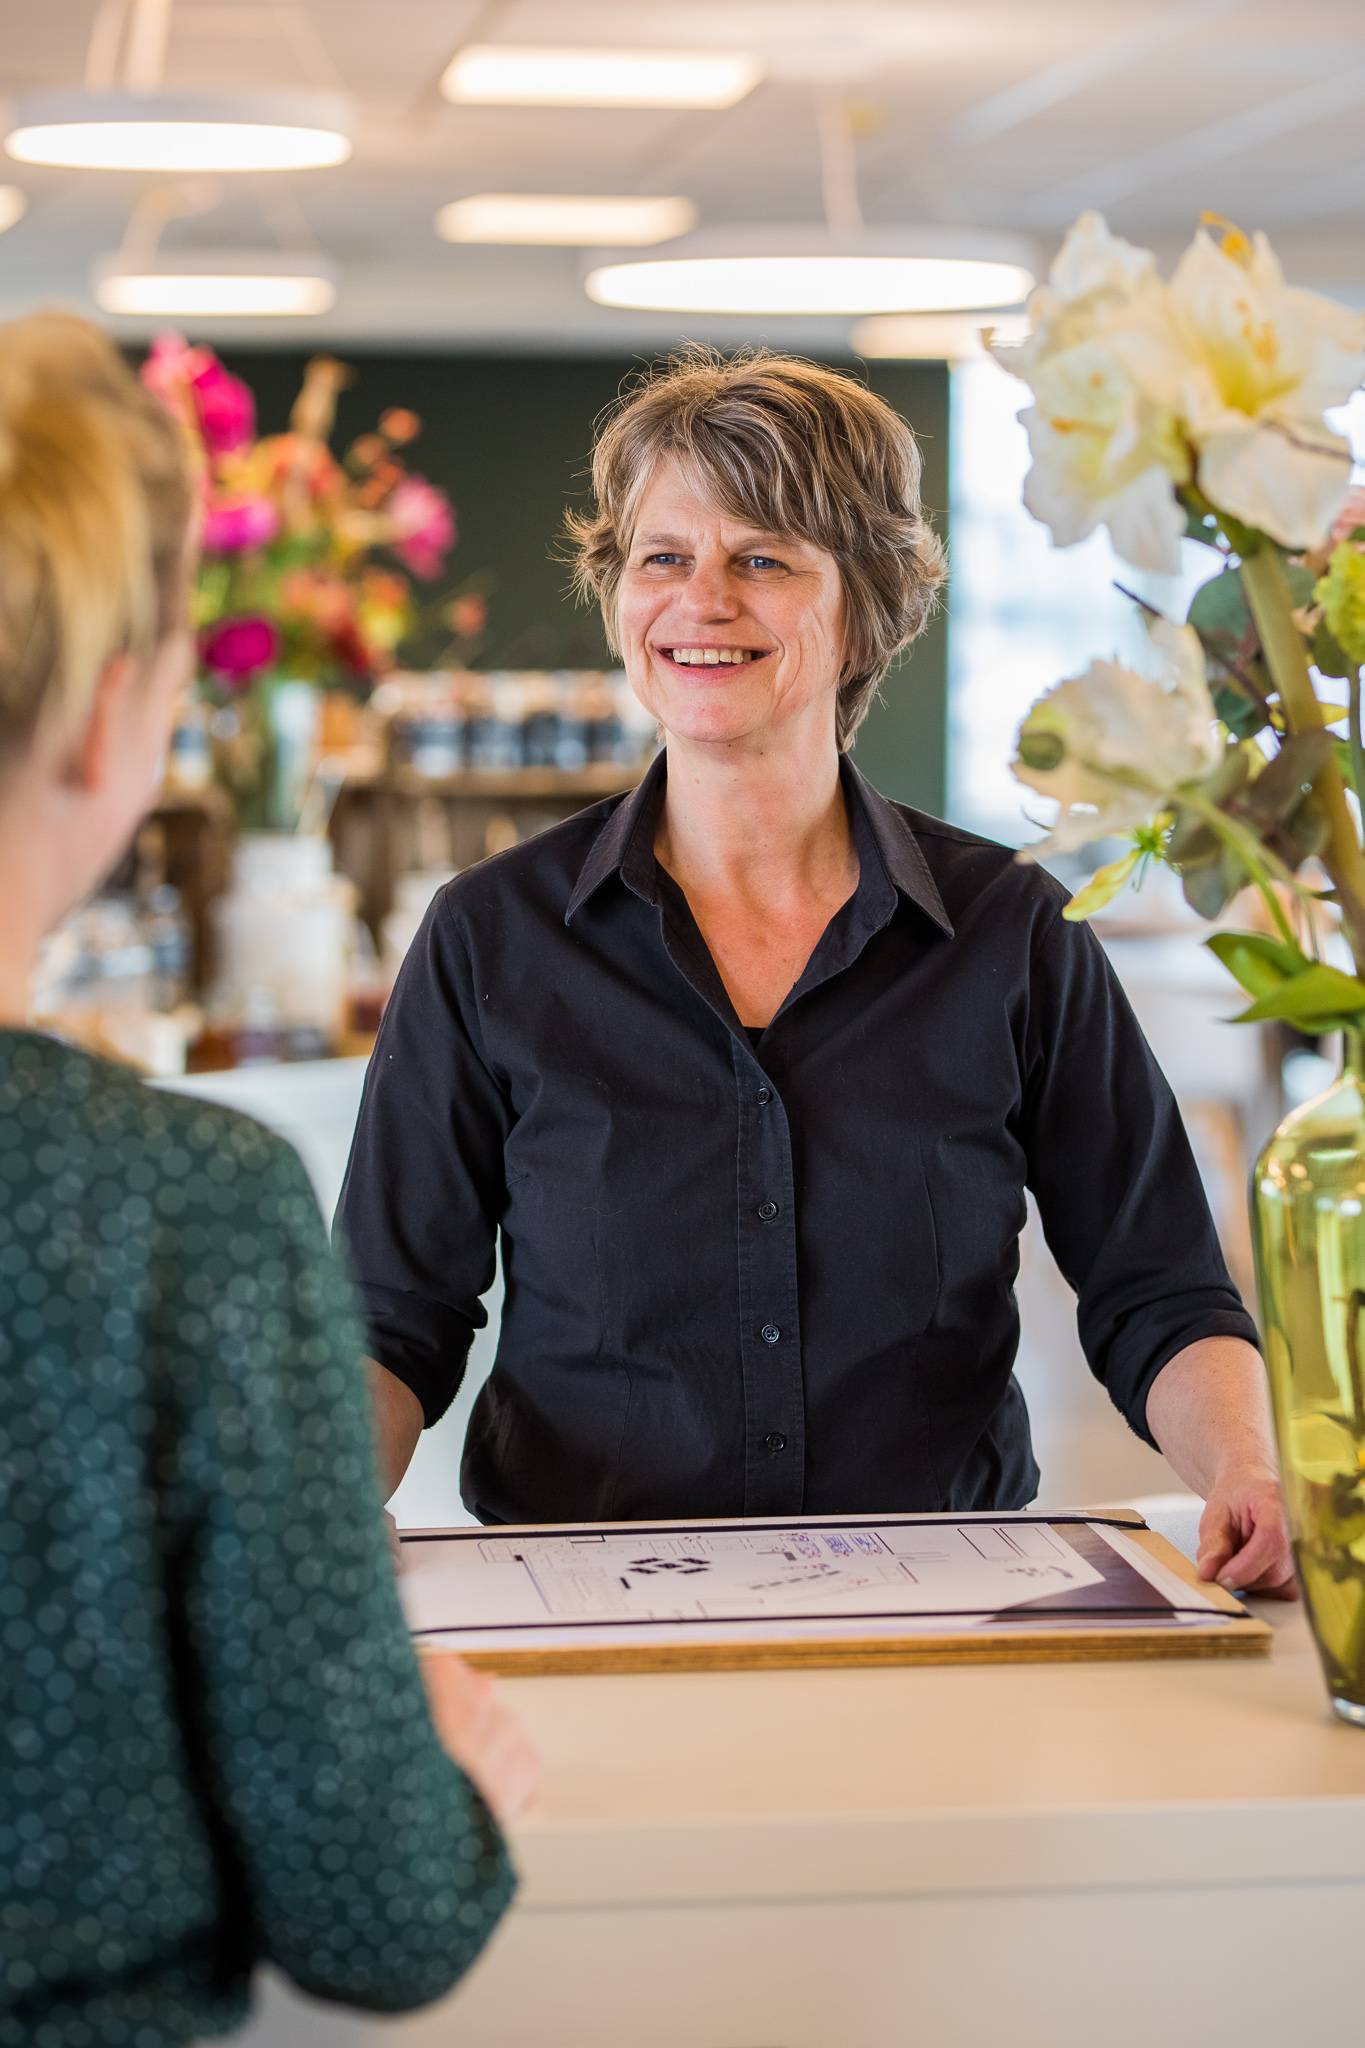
(214, 1745)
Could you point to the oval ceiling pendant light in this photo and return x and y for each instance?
(786, 271)
(211, 284)
(157, 132)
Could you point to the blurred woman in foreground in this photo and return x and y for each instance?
(217, 1745)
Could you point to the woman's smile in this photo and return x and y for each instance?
(710, 662)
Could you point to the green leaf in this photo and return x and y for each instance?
(1328, 656)
(1243, 715)
(1259, 963)
(1317, 992)
(1210, 884)
(1276, 793)
(1210, 875)
(1301, 580)
(1102, 888)
(1221, 616)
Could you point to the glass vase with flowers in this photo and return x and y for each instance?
(307, 561)
(1199, 409)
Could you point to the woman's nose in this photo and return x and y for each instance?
(711, 592)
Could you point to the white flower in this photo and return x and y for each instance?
(1262, 362)
(1222, 376)
(1093, 275)
(1111, 745)
(1104, 453)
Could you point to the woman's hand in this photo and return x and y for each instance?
(1243, 1535)
(1210, 1412)
(482, 1734)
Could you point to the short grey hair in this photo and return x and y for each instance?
(792, 447)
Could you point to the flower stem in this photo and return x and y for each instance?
(1357, 749)
(1272, 606)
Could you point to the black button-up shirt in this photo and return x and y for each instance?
(763, 1273)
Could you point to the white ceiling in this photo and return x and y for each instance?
(1006, 114)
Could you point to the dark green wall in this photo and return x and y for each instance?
(508, 437)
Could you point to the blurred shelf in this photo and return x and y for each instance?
(600, 778)
(208, 802)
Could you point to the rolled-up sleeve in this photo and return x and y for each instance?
(373, 1872)
(425, 1183)
(1122, 1205)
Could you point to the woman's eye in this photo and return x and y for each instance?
(667, 560)
(763, 562)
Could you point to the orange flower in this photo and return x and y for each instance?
(399, 425)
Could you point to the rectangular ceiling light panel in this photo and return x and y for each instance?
(574, 220)
(530, 75)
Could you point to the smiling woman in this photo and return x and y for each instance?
(802, 480)
(750, 1068)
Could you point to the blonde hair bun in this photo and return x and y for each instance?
(95, 504)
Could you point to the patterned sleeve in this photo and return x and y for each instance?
(374, 1873)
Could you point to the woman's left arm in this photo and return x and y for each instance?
(1127, 1220)
(1210, 1414)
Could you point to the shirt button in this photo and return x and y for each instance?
(764, 1097)
(770, 1333)
(767, 1211)
(775, 1441)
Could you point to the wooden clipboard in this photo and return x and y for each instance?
(1240, 1634)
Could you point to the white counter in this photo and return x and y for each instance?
(1040, 1855)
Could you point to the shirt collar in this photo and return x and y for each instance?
(625, 844)
(897, 847)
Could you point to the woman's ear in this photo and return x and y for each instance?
(91, 753)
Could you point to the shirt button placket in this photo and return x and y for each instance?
(770, 1347)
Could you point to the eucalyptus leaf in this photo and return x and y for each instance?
(1219, 608)
(1242, 714)
(1209, 886)
(1280, 788)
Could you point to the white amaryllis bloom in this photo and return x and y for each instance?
(1224, 375)
(1094, 275)
(1259, 363)
(1112, 745)
(1105, 451)
(1104, 455)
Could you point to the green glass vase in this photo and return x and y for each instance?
(1308, 1230)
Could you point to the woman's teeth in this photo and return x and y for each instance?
(710, 657)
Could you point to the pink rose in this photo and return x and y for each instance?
(237, 522)
(170, 365)
(226, 408)
(237, 650)
(423, 526)
(223, 407)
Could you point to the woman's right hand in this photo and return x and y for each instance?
(479, 1730)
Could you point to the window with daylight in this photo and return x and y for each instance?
(1022, 614)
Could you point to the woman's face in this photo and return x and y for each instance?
(700, 586)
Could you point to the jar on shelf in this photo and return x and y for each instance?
(428, 715)
(283, 935)
(540, 722)
(600, 718)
